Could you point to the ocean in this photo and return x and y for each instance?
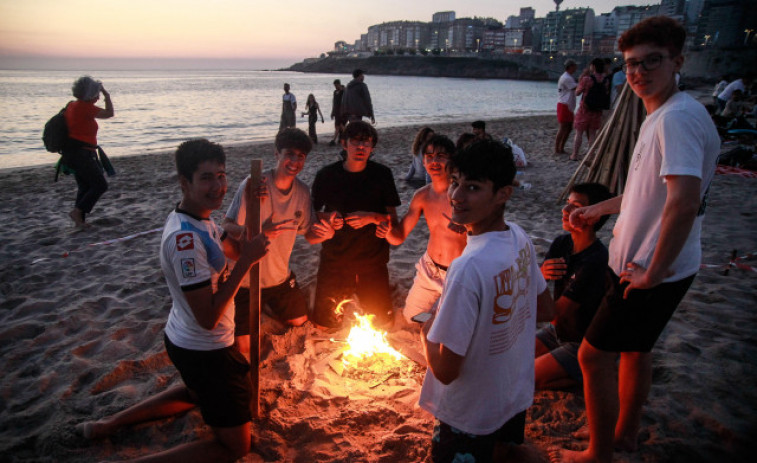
(156, 110)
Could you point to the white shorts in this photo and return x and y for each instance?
(426, 289)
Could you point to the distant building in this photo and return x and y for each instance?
(567, 31)
(410, 35)
(443, 17)
(727, 24)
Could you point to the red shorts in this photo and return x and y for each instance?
(564, 114)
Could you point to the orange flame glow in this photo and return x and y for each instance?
(364, 341)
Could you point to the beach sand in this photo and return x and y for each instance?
(82, 336)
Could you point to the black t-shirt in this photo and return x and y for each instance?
(584, 283)
(371, 190)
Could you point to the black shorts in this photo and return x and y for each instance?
(448, 443)
(634, 324)
(285, 300)
(220, 380)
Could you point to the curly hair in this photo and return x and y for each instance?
(86, 88)
(661, 31)
(192, 153)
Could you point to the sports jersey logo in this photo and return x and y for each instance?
(184, 242)
(188, 268)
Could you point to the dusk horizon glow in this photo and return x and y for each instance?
(44, 33)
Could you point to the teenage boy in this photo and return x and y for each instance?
(577, 262)
(199, 335)
(446, 240)
(480, 344)
(655, 251)
(286, 211)
(353, 197)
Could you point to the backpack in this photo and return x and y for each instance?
(55, 134)
(597, 97)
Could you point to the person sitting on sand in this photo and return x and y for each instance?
(655, 251)
(353, 196)
(479, 130)
(577, 262)
(480, 343)
(199, 334)
(417, 173)
(446, 240)
(285, 199)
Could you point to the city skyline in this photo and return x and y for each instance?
(49, 32)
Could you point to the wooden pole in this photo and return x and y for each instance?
(252, 224)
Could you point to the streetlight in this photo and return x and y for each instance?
(516, 44)
(550, 44)
(706, 39)
(582, 46)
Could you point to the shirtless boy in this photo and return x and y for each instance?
(446, 240)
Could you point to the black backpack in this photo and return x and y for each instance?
(55, 134)
(597, 97)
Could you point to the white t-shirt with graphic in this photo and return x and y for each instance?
(487, 313)
(191, 257)
(295, 204)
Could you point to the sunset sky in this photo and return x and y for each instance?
(263, 30)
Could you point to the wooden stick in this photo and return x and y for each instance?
(252, 224)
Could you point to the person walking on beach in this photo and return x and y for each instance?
(655, 251)
(588, 119)
(356, 101)
(312, 110)
(199, 333)
(446, 240)
(577, 263)
(288, 109)
(566, 104)
(80, 152)
(336, 111)
(287, 207)
(354, 196)
(479, 345)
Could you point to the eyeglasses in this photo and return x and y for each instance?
(650, 63)
(359, 142)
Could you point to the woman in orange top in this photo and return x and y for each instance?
(80, 152)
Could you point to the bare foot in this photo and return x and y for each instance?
(570, 456)
(92, 429)
(78, 217)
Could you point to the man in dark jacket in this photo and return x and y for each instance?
(336, 112)
(356, 101)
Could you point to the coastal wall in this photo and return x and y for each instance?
(700, 65)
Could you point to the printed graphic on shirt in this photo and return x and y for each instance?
(184, 242)
(510, 310)
(188, 268)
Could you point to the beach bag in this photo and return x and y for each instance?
(55, 134)
(598, 96)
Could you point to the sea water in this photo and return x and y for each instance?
(157, 110)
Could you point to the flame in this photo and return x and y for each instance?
(339, 311)
(364, 342)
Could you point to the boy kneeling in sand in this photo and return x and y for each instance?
(480, 344)
(199, 335)
(446, 240)
(288, 211)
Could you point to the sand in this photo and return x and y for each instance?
(81, 336)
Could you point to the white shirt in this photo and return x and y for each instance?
(566, 90)
(679, 138)
(191, 256)
(737, 84)
(487, 313)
